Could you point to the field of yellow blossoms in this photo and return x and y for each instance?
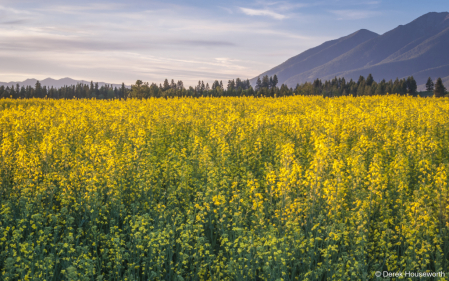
(296, 188)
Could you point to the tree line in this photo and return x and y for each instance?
(79, 91)
(265, 87)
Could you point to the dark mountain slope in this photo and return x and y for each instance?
(410, 49)
(430, 54)
(319, 55)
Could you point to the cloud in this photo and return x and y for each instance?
(264, 12)
(205, 43)
(354, 14)
(13, 22)
(286, 6)
(125, 42)
(66, 45)
(80, 9)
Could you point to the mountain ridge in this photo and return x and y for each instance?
(56, 83)
(406, 50)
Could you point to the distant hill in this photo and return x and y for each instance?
(49, 82)
(417, 49)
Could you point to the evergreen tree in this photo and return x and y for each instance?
(97, 91)
(166, 85)
(180, 85)
(91, 91)
(238, 83)
(411, 85)
(429, 85)
(38, 90)
(361, 80)
(12, 93)
(275, 81)
(265, 82)
(258, 84)
(231, 85)
(369, 80)
(439, 90)
(22, 92)
(122, 91)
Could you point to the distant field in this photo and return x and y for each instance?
(297, 188)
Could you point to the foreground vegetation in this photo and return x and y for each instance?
(296, 188)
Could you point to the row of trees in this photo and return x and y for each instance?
(437, 88)
(267, 86)
(66, 92)
(362, 87)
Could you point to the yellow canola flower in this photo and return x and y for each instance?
(213, 188)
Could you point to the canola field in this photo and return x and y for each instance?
(296, 188)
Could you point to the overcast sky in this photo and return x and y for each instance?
(122, 41)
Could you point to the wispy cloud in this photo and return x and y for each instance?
(373, 2)
(76, 9)
(285, 5)
(52, 43)
(13, 22)
(153, 40)
(354, 14)
(263, 12)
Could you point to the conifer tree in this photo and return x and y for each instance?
(265, 81)
(238, 83)
(275, 81)
(91, 90)
(38, 90)
(122, 91)
(411, 85)
(166, 85)
(97, 91)
(258, 84)
(429, 85)
(439, 90)
(369, 80)
(180, 85)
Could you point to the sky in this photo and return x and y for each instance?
(123, 41)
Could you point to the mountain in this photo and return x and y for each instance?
(49, 82)
(417, 49)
